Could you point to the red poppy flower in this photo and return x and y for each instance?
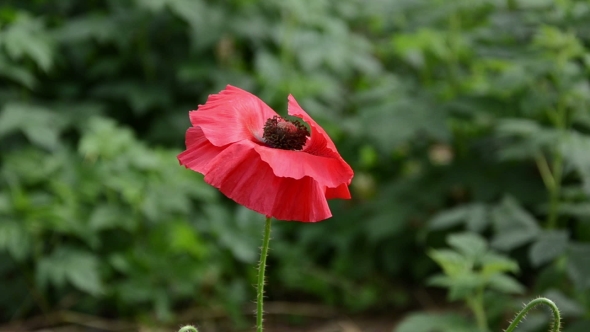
(266, 163)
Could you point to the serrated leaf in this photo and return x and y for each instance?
(426, 322)
(107, 216)
(527, 138)
(469, 245)
(492, 263)
(578, 210)
(17, 73)
(449, 218)
(505, 284)
(464, 285)
(14, 239)
(578, 265)
(105, 139)
(77, 267)
(26, 37)
(451, 262)
(513, 225)
(475, 217)
(548, 245)
(240, 234)
(41, 126)
(574, 148)
(478, 219)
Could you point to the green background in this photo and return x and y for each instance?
(466, 122)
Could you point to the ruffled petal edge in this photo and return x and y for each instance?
(232, 115)
(240, 174)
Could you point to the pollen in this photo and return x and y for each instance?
(284, 134)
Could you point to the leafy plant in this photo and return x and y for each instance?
(470, 269)
(456, 116)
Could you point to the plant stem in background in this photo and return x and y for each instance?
(542, 300)
(261, 269)
(552, 176)
(476, 305)
(555, 191)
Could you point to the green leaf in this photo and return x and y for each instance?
(428, 322)
(108, 216)
(391, 125)
(17, 73)
(26, 37)
(451, 262)
(549, 245)
(75, 266)
(104, 139)
(475, 217)
(41, 126)
(478, 218)
(577, 210)
(567, 307)
(527, 138)
(574, 148)
(578, 265)
(492, 263)
(513, 225)
(14, 238)
(449, 218)
(464, 285)
(505, 284)
(240, 234)
(469, 245)
(140, 96)
(184, 239)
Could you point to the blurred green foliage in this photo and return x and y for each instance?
(457, 116)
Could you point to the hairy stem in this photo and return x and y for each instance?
(556, 326)
(261, 269)
(188, 328)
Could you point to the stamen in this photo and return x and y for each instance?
(284, 134)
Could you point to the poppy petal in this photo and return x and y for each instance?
(301, 200)
(225, 144)
(231, 116)
(341, 192)
(319, 159)
(320, 143)
(240, 174)
(199, 151)
(327, 171)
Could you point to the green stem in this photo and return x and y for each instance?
(188, 328)
(560, 122)
(476, 304)
(453, 41)
(261, 269)
(542, 300)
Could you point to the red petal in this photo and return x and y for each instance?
(301, 200)
(199, 151)
(231, 116)
(341, 192)
(241, 175)
(320, 143)
(327, 171)
(320, 158)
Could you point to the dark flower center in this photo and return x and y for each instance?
(284, 134)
